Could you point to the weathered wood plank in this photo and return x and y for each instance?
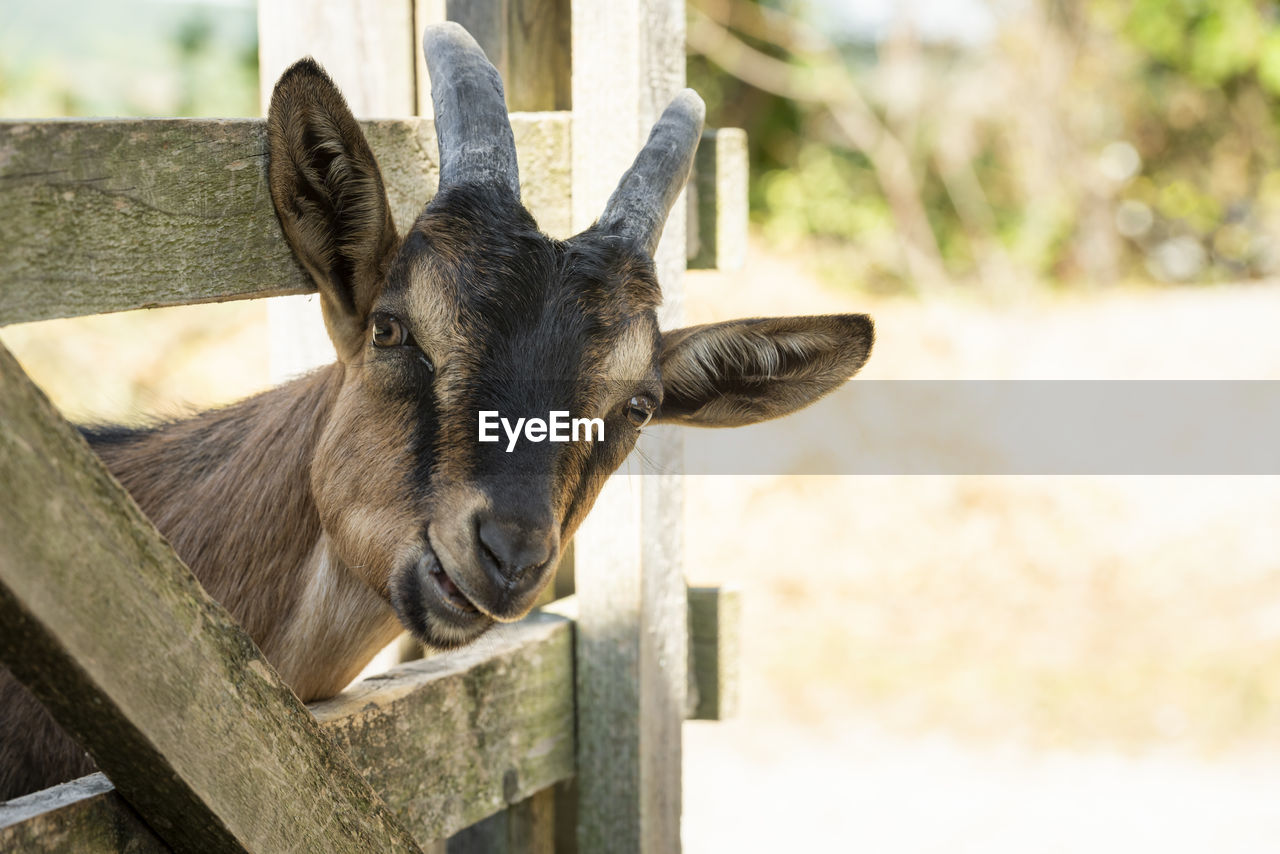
(528, 827)
(99, 216)
(718, 201)
(103, 623)
(86, 816)
(543, 151)
(628, 62)
(715, 643)
(446, 742)
(526, 40)
(367, 47)
(539, 33)
(715, 617)
(451, 739)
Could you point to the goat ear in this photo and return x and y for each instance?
(329, 196)
(745, 371)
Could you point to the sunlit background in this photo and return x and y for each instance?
(1016, 189)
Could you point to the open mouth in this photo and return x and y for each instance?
(449, 591)
(433, 607)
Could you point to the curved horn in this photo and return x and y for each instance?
(474, 133)
(639, 206)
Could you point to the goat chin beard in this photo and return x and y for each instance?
(432, 608)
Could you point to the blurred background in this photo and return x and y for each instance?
(1015, 189)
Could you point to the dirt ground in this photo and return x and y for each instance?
(930, 663)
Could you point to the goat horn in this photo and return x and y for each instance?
(639, 206)
(474, 133)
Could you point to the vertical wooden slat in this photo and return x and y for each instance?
(526, 827)
(717, 217)
(367, 46)
(715, 617)
(538, 55)
(526, 40)
(628, 60)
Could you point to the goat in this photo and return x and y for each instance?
(332, 512)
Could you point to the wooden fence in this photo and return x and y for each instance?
(563, 732)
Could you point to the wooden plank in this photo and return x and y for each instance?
(526, 40)
(109, 215)
(715, 617)
(86, 816)
(103, 623)
(715, 658)
(367, 46)
(538, 55)
(628, 61)
(527, 827)
(446, 742)
(543, 151)
(451, 739)
(718, 201)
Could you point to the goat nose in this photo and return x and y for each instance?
(514, 548)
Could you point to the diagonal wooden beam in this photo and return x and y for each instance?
(104, 624)
(445, 741)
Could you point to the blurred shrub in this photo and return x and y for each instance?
(70, 58)
(1081, 143)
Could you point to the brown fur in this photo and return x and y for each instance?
(247, 463)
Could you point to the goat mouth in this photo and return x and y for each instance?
(448, 591)
(430, 604)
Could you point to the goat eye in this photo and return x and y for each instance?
(387, 331)
(640, 409)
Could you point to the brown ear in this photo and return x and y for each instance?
(745, 371)
(329, 196)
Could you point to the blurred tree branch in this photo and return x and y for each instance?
(825, 82)
(1083, 143)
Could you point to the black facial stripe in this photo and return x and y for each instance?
(425, 432)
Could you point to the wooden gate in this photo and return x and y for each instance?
(563, 732)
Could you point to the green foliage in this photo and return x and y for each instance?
(1202, 109)
(69, 58)
(1211, 41)
(829, 193)
(1085, 142)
